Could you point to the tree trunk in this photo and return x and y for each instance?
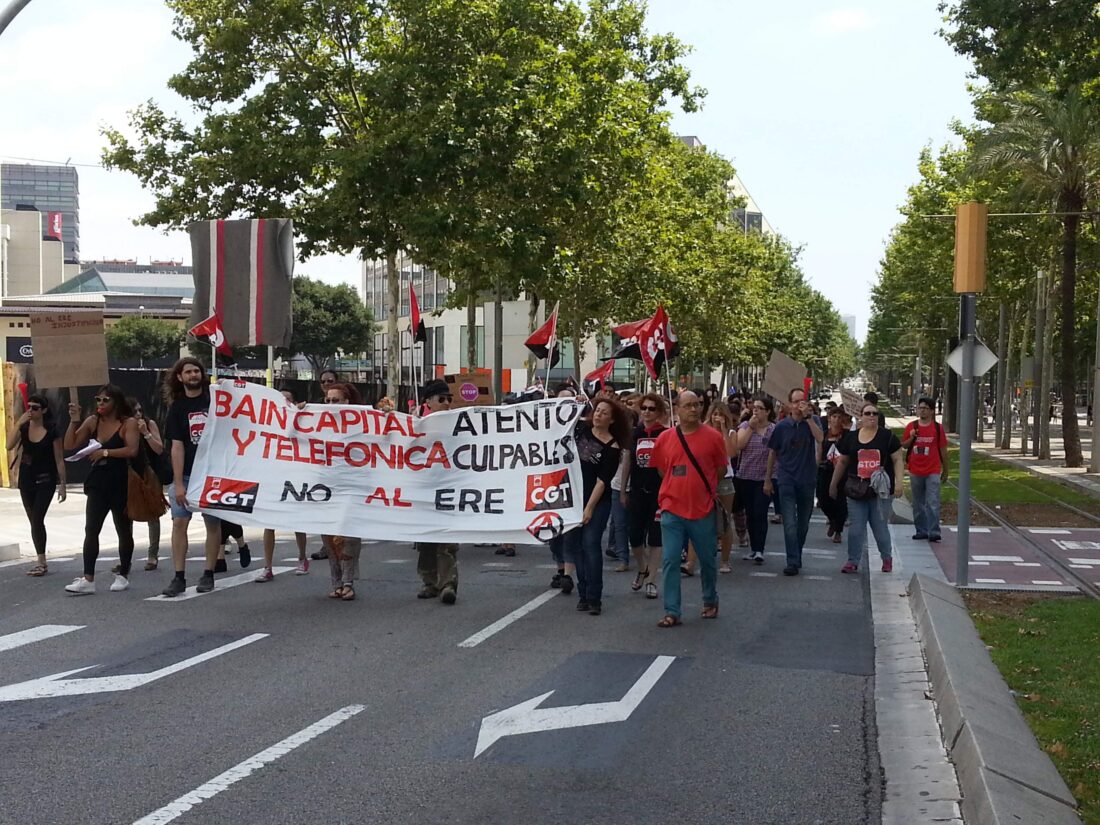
(1002, 358)
(471, 330)
(532, 325)
(1004, 398)
(1070, 433)
(393, 282)
(1048, 379)
(1025, 399)
(498, 340)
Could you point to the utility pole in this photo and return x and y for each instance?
(1094, 458)
(1038, 401)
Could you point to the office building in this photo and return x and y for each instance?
(31, 261)
(52, 190)
(850, 322)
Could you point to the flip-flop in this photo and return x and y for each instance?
(349, 593)
(38, 570)
(710, 611)
(669, 621)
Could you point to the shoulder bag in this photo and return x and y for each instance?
(145, 499)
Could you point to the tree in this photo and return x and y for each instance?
(135, 338)
(1053, 143)
(328, 320)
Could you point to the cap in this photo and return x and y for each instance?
(436, 387)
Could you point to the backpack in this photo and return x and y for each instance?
(909, 449)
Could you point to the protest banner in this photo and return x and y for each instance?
(69, 349)
(782, 375)
(852, 401)
(492, 474)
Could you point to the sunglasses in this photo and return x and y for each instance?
(442, 398)
(648, 409)
(335, 401)
(103, 399)
(870, 412)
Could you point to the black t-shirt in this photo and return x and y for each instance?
(186, 421)
(37, 465)
(864, 459)
(599, 460)
(644, 478)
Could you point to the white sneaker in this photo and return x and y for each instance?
(120, 583)
(81, 587)
(748, 556)
(758, 558)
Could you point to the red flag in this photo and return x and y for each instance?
(599, 376)
(630, 328)
(211, 328)
(657, 342)
(420, 333)
(543, 342)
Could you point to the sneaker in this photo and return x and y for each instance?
(595, 609)
(206, 583)
(583, 607)
(790, 570)
(725, 568)
(651, 591)
(448, 595)
(81, 587)
(555, 583)
(246, 556)
(749, 556)
(174, 588)
(303, 568)
(266, 575)
(611, 554)
(622, 568)
(120, 583)
(887, 565)
(220, 566)
(758, 557)
(935, 538)
(566, 584)
(849, 567)
(427, 592)
(920, 537)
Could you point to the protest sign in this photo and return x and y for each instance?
(782, 375)
(852, 401)
(470, 389)
(69, 349)
(493, 474)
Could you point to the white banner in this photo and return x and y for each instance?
(479, 474)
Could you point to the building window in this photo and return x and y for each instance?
(463, 338)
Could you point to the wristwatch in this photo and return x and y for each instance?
(106, 453)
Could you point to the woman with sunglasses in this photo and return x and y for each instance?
(116, 430)
(343, 551)
(41, 471)
(871, 466)
(751, 451)
(834, 508)
(645, 484)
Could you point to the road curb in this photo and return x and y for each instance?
(1004, 776)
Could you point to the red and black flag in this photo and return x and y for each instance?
(419, 332)
(243, 271)
(211, 329)
(543, 342)
(595, 380)
(657, 342)
(628, 341)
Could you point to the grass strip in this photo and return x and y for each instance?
(1048, 650)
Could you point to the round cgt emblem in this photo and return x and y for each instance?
(546, 526)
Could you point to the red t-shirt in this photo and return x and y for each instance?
(683, 492)
(924, 458)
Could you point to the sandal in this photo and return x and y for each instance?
(669, 621)
(338, 593)
(349, 593)
(38, 570)
(710, 611)
(151, 564)
(639, 580)
(686, 571)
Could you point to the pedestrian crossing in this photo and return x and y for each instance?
(36, 634)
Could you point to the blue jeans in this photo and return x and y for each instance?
(877, 512)
(703, 533)
(796, 505)
(619, 538)
(926, 504)
(587, 554)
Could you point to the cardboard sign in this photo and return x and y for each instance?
(470, 389)
(852, 401)
(782, 375)
(69, 349)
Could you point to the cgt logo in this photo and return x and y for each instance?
(229, 494)
(546, 526)
(316, 493)
(549, 491)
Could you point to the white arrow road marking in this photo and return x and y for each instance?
(528, 717)
(500, 624)
(220, 584)
(248, 767)
(48, 687)
(36, 634)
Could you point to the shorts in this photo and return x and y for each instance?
(183, 512)
(644, 519)
(725, 487)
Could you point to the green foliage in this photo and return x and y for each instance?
(134, 338)
(328, 320)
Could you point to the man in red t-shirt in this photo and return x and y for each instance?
(687, 502)
(925, 446)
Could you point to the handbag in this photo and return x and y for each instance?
(859, 488)
(145, 499)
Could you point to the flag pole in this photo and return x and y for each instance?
(271, 367)
(213, 364)
(416, 386)
(668, 380)
(546, 380)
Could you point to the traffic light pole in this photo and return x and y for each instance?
(968, 317)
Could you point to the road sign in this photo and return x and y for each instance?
(528, 717)
(56, 684)
(984, 359)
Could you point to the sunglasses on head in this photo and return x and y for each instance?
(103, 399)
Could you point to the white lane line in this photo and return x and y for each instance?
(497, 564)
(1086, 562)
(764, 575)
(819, 578)
(231, 777)
(972, 529)
(30, 560)
(219, 584)
(546, 566)
(990, 581)
(1081, 566)
(1047, 531)
(396, 561)
(1026, 564)
(997, 558)
(500, 624)
(36, 634)
(979, 564)
(1041, 581)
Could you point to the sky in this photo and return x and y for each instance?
(822, 108)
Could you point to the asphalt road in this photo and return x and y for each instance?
(764, 715)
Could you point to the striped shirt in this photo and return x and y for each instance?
(753, 463)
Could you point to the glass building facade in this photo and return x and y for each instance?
(47, 189)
